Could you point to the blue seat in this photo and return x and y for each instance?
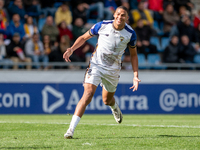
(164, 43)
(155, 41)
(92, 21)
(197, 58)
(156, 27)
(141, 61)
(154, 59)
(57, 4)
(41, 23)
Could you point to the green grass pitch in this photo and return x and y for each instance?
(101, 132)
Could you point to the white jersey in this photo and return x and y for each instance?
(111, 44)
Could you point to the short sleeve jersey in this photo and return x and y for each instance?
(111, 44)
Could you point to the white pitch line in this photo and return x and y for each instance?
(132, 125)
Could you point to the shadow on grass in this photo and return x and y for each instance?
(146, 137)
(31, 147)
(178, 136)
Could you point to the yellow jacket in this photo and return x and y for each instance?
(136, 16)
(61, 16)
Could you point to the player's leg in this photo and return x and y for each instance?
(108, 99)
(89, 90)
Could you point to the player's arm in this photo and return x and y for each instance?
(134, 63)
(81, 40)
(78, 43)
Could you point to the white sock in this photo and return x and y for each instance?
(114, 106)
(74, 122)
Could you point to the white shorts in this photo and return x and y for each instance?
(108, 79)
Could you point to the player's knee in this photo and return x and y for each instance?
(88, 96)
(106, 101)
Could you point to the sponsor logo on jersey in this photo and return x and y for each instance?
(121, 38)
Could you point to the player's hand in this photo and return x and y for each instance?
(67, 54)
(135, 83)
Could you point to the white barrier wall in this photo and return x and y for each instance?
(69, 76)
(56, 92)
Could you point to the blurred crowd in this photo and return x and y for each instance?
(40, 31)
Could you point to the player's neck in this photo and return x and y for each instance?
(118, 27)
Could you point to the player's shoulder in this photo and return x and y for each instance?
(107, 21)
(129, 29)
(103, 23)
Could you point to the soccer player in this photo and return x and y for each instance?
(105, 63)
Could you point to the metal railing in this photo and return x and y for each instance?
(83, 65)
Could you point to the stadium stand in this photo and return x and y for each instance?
(159, 38)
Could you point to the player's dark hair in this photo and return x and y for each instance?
(124, 8)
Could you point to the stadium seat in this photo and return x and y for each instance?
(57, 4)
(141, 61)
(155, 41)
(154, 59)
(41, 23)
(164, 43)
(92, 21)
(197, 58)
(156, 27)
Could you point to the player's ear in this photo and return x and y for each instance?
(114, 15)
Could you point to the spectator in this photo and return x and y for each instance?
(63, 30)
(15, 51)
(170, 18)
(111, 4)
(186, 3)
(57, 54)
(167, 2)
(144, 33)
(183, 12)
(32, 8)
(124, 3)
(197, 45)
(4, 12)
(30, 28)
(6, 62)
(157, 7)
(47, 8)
(186, 50)
(47, 45)
(17, 8)
(63, 13)
(16, 26)
(78, 28)
(50, 29)
(171, 52)
(98, 6)
(142, 13)
(185, 28)
(197, 19)
(35, 50)
(80, 11)
(3, 27)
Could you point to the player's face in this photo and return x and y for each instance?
(120, 16)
